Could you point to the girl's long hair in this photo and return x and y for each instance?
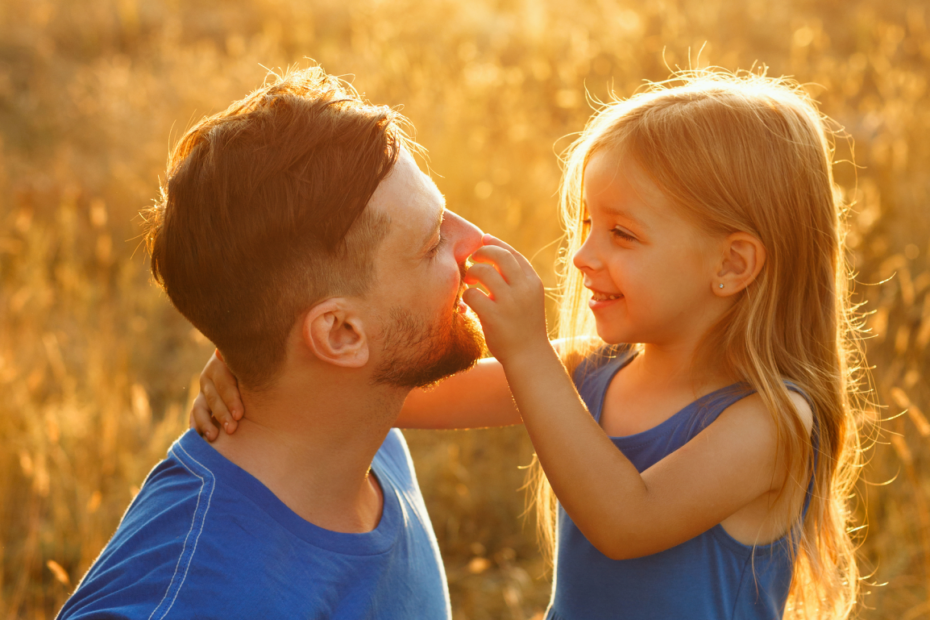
(744, 152)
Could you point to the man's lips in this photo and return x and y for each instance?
(460, 306)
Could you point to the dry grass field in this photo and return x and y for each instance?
(96, 367)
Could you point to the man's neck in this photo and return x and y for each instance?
(312, 443)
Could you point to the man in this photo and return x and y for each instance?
(297, 233)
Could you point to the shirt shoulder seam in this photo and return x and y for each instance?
(197, 523)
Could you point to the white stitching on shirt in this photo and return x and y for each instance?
(193, 525)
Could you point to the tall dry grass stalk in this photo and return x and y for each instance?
(95, 366)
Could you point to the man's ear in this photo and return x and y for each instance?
(742, 260)
(335, 333)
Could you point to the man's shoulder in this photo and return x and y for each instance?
(204, 539)
(177, 536)
(394, 455)
(395, 447)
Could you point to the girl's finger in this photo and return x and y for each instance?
(200, 419)
(227, 387)
(217, 408)
(505, 262)
(477, 301)
(487, 276)
(492, 241)
(229, 393)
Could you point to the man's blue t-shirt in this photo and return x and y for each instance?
(205, 539)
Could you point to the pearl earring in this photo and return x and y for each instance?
(721, 285)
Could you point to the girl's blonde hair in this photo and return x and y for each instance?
(744, 152)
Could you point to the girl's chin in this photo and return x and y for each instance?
(611, 336)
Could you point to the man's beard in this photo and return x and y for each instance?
(418, 354)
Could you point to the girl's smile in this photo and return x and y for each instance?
(601, 300)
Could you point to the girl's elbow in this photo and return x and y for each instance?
(614, 554)
(623, 547)
(615, 547)
(622, 552)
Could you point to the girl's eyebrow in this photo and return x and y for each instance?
(616, 211)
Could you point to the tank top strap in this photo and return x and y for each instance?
(722, 399)
(594, 373)
(709, 407)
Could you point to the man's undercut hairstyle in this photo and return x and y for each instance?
(263, 213)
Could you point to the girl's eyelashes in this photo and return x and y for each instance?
(622, 234)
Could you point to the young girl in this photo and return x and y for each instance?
(705, 471)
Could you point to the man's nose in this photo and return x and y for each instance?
(464, 236)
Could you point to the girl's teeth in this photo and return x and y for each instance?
(600, 297)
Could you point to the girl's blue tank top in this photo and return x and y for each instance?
(710, 577)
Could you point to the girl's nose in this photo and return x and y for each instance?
(464, 236)
(585, 258)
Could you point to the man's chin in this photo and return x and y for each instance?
(447, 350)
(466, 349)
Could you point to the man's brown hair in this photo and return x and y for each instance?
(263, 213)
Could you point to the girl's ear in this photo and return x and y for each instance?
(743, 258)
(335, 334)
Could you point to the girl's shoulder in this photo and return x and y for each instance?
(754, 405)
(802, 404)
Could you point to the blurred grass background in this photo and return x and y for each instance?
(96, 367)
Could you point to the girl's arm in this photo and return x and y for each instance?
(475, 398)
(623, 513)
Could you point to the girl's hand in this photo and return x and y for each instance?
(513, 315)
(218, 404)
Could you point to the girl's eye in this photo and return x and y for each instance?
(433, 251)
(622, 234)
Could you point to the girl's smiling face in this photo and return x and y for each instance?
(650, 269)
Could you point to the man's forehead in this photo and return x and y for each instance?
(411, 199)
(422, 187)
(433, 189)
(418, 178)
